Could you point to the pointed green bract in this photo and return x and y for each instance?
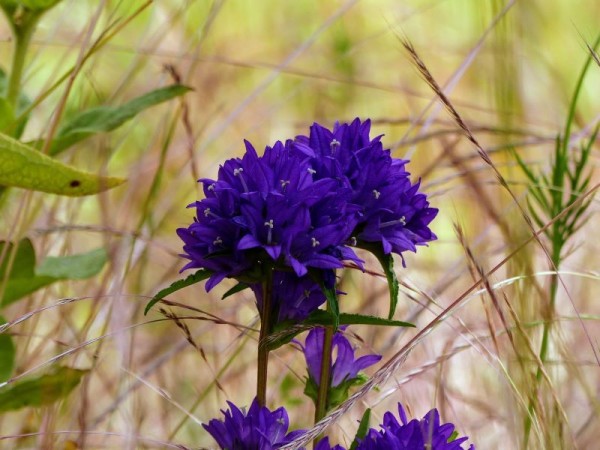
(25, 167)
(387, 264)
(363, 428)
(194, 278)
(333, 305)
(40, 391)
(234, 290)
(7, 354)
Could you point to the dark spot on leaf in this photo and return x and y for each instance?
(75, 183)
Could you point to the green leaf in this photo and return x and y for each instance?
(22, 279)
(7, 115)
(36, 6)
(40, 4)
(194, 278)
(25, 279)
(74, 267)
(284, 332)
(363, 428)
(355, 319)
(107, 118)
(234, 290)
(7, 354)
(23, 166)
(13, 129)
(40, 391)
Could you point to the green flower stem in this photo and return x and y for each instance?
(324, 385)
(22, 34)
(263, 348)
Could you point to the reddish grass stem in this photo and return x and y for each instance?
(263, 348)
(323, 393)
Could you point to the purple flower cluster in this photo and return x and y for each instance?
(256, 429)
(262, 429)
(304, 204)
(392, 211)
(427, 433)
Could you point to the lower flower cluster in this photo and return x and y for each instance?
(262, 429)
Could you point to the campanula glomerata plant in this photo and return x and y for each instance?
(282, 224)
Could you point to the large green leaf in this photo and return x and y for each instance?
(107, 118)
(320, 317)
(37, 6)
(7, 354)
(194, 278)
(40, 391)
(74, 267)
(25, 279)
(25, 167)
(22, 279)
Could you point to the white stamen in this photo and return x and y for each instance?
(353, 241)
(284, 183)
(269, 224)
(311, 171)
(376, 193)
(315, 243)
(238, 173)
(401, 221)
(208, 212)
(334, 145)
(211, 187)
(217, 241)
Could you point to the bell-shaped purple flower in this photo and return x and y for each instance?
(344, 371)
(257, 429)
(425, 434)
(345, 366)
(392, 211)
